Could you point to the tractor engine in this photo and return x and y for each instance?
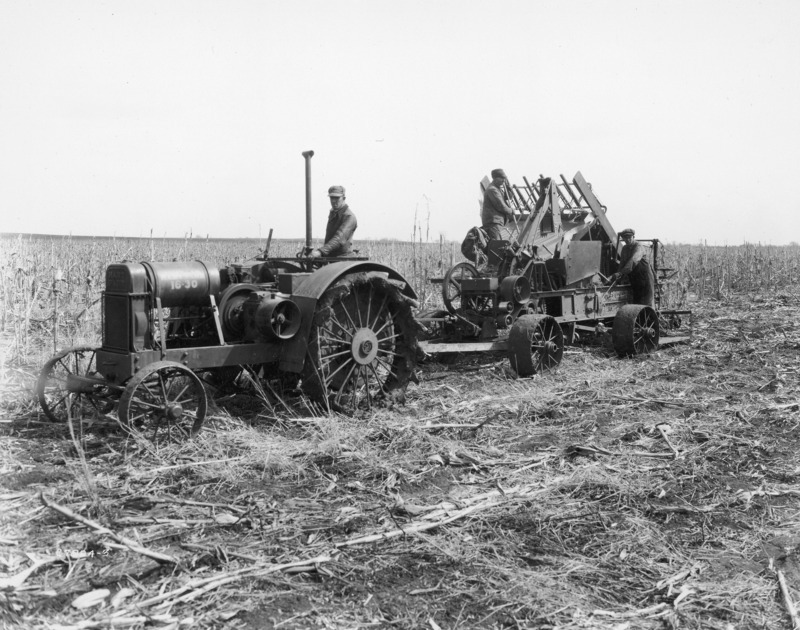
(153, 305)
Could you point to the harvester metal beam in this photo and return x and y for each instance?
(432, 347)
(547, 200)
(561, 195)
(531, 190)
(582, 185)
(571, 194)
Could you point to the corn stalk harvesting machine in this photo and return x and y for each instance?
(547, 283)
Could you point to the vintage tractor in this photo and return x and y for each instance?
(342, 328)
(546, 284)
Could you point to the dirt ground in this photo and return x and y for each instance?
(656, 492)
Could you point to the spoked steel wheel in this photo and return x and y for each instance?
(362, 344)
(535, 344)
(165, 400)
(69, 386)
(636, 330)
(451, 287)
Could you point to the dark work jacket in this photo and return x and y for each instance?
(495, 210)
(633, 263)
(630, 257)
(339, 232)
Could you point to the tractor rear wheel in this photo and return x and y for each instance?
(163, 401)
(636, 330)
(362, 346)
(70, 387)
(535, 344)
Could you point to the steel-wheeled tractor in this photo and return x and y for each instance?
(341, 328)
(547, 283)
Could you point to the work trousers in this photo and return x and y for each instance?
(643, 284)
(495, 231)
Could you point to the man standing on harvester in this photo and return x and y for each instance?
(495, 212)
(633, 264)
(341, 226)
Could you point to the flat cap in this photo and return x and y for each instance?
(627, 232)
(336, 191)
(499, 172)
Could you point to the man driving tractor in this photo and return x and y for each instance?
(340, 228)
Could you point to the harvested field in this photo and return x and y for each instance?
(655, 492)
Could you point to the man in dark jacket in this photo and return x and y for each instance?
(341, 226)
(633, 264)
(496, 212)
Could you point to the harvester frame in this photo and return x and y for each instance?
(547, 284)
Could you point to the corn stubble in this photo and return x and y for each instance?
(652, 492)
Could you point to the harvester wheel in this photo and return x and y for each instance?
(535, 344)
(636, 330)
(451, 287)
(69, 386)
(164, 400)
(362, 346)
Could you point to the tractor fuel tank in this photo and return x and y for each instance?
(176, 283)
(133, 288)
(183, 283)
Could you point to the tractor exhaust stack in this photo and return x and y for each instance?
(308, 155)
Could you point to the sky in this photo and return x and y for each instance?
(177, 117)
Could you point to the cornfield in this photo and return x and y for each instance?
(652, 492)
(51, 286)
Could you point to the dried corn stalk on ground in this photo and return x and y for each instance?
(648, 493)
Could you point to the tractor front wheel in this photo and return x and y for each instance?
(70, 387)
(164, 400)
